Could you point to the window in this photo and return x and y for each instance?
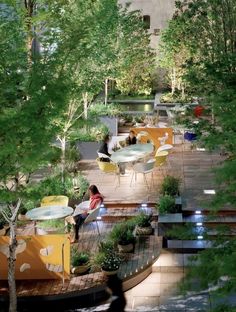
(147, 21)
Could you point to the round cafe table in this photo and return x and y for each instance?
(48, 213)
(132, 153)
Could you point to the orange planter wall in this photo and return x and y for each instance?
(39, 257)
(154, 134)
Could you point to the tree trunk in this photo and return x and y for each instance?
(85, 99)
(11, 268)
(63, 159)
(173, 81)
(106, 91)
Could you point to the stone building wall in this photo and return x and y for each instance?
(160, 11)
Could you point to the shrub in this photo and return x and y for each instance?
(166, 205)
(170, 186)
(78, 258)
(108, 261)
(122, 234)
(58, 225)
(143, 220)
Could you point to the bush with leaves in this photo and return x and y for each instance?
(122, 233)
(79, 257)
(166, 205)
(143, 220)
(170, 186)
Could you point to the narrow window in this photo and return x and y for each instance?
(147, 21)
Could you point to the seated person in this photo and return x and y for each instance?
(131, 139)
(104, 148)
(83, 209)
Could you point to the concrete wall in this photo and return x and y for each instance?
(160, 11)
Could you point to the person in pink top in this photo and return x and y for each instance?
(82, 210)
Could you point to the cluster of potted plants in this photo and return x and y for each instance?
(107, 259)
(80, 261)
(169, 201)
(123, 236)
(143, 224)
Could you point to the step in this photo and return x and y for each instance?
(172, 262)
(187, 246)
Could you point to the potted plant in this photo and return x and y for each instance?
(129, 120)
(166, 205)
(170, 186)
(79, 261)
(2, 228)
(143, 224)
(50, 227)
(139, 121)
(22, 214)
(122, 234)
(107, 261)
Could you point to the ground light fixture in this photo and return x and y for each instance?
(199, 237)
(198, 212)
(199, 223)
(209, 192)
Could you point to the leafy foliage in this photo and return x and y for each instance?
(122, 233)
(170, 186)
(166, 204)
(78, 258)
(143, 220)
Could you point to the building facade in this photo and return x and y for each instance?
(156, 14)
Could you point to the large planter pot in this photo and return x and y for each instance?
(125, 248)
(41, 231)
(22, 217)
(110, 272)
(147, 230)
(111, 123)
(88, 150)
(81, 269)
(2, 231)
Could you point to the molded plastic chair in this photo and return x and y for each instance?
(109, 167)
(144, 168)
(92, 217)
(55, 200)
(101, 155)
(161, 159)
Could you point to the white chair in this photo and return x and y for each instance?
(101, 155)
(144, 168)
(166, 148)
(92, 217)
(163, 139)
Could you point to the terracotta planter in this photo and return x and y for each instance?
(22, 217)
(80, 269)
(110, 272)
(147, 230)
(2, 231)
(125, 248)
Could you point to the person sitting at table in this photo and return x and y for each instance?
(131, 139)
(104, 148)
(83, 209)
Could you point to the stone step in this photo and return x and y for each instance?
(172, 262)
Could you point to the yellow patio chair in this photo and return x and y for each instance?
(109, 167)
(55, 200)
(161, 159)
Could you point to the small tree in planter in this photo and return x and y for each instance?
(107, 261)
(79, 261)
(122, 235)
(166, 205)
(143, 224)
(170, 186)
